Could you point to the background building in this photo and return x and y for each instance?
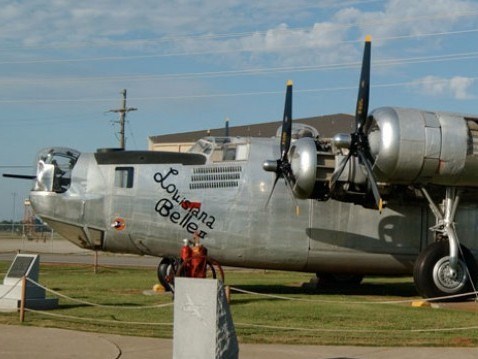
(327, 126)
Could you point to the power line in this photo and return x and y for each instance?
(176, 37)
(255, 93)
(255, 72)
(242, 49)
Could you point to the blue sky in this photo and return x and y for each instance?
(187, 65)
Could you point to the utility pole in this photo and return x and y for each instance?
(123, 111)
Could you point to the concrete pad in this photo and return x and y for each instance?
(30, 342)
(22, 342)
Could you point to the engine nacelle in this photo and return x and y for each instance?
(414, 146)
(303, 162)
(311, 166)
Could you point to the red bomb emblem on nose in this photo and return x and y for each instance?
(118, 224)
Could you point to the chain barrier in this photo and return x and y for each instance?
(11, 289)
(96, 304)
(106, 321)
(331, 330)
(404, 301)
(249, 325)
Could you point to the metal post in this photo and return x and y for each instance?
(14, 194)
(22, 300)
(96, 262)
(227, 291)
(51, 241)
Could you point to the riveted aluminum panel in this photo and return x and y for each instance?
(454, 145)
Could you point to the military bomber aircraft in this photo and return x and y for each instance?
(398, 196)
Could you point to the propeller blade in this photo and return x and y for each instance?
(364, 87)
(282, 167)
(286, 122)
(288, 184)
(373, 182)
(358, 140)
(272, 190)
(29, 177)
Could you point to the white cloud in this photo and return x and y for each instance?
(326, 41)
(411, 17)
(458, 87)
(58, 22)
(257, 34)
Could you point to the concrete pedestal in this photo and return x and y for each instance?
(27, 265)
(203, 326)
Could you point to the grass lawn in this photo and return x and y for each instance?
(339, 317)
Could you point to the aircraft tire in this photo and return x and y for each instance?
(166, 271)
(431, 268)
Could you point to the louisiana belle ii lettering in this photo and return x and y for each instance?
(179, 209)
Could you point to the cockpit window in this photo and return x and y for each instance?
(202, 146)
(222, 149)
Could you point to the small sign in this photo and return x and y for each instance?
(20, 266)
(27, 265)
(24, 265)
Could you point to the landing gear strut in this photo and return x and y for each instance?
(439, 271)
(166, 271)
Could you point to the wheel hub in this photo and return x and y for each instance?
(448, 279)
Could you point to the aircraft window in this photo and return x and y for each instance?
(242, 151)
(300, 130)
(124, 177)
(229, 153)
(217, 155)
(222, 149)
(202, 146)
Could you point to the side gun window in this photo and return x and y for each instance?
(124, 177)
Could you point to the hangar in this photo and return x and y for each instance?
(327, 126)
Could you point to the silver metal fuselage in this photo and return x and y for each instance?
(224, 201)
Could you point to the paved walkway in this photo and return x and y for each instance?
(23, 342)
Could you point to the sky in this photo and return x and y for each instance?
(188, 65)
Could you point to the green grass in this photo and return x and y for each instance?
(338, 317)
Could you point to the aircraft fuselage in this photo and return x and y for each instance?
(146, 203)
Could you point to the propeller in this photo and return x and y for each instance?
(357, 142)
(282, 167)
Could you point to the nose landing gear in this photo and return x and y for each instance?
(166, 271)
